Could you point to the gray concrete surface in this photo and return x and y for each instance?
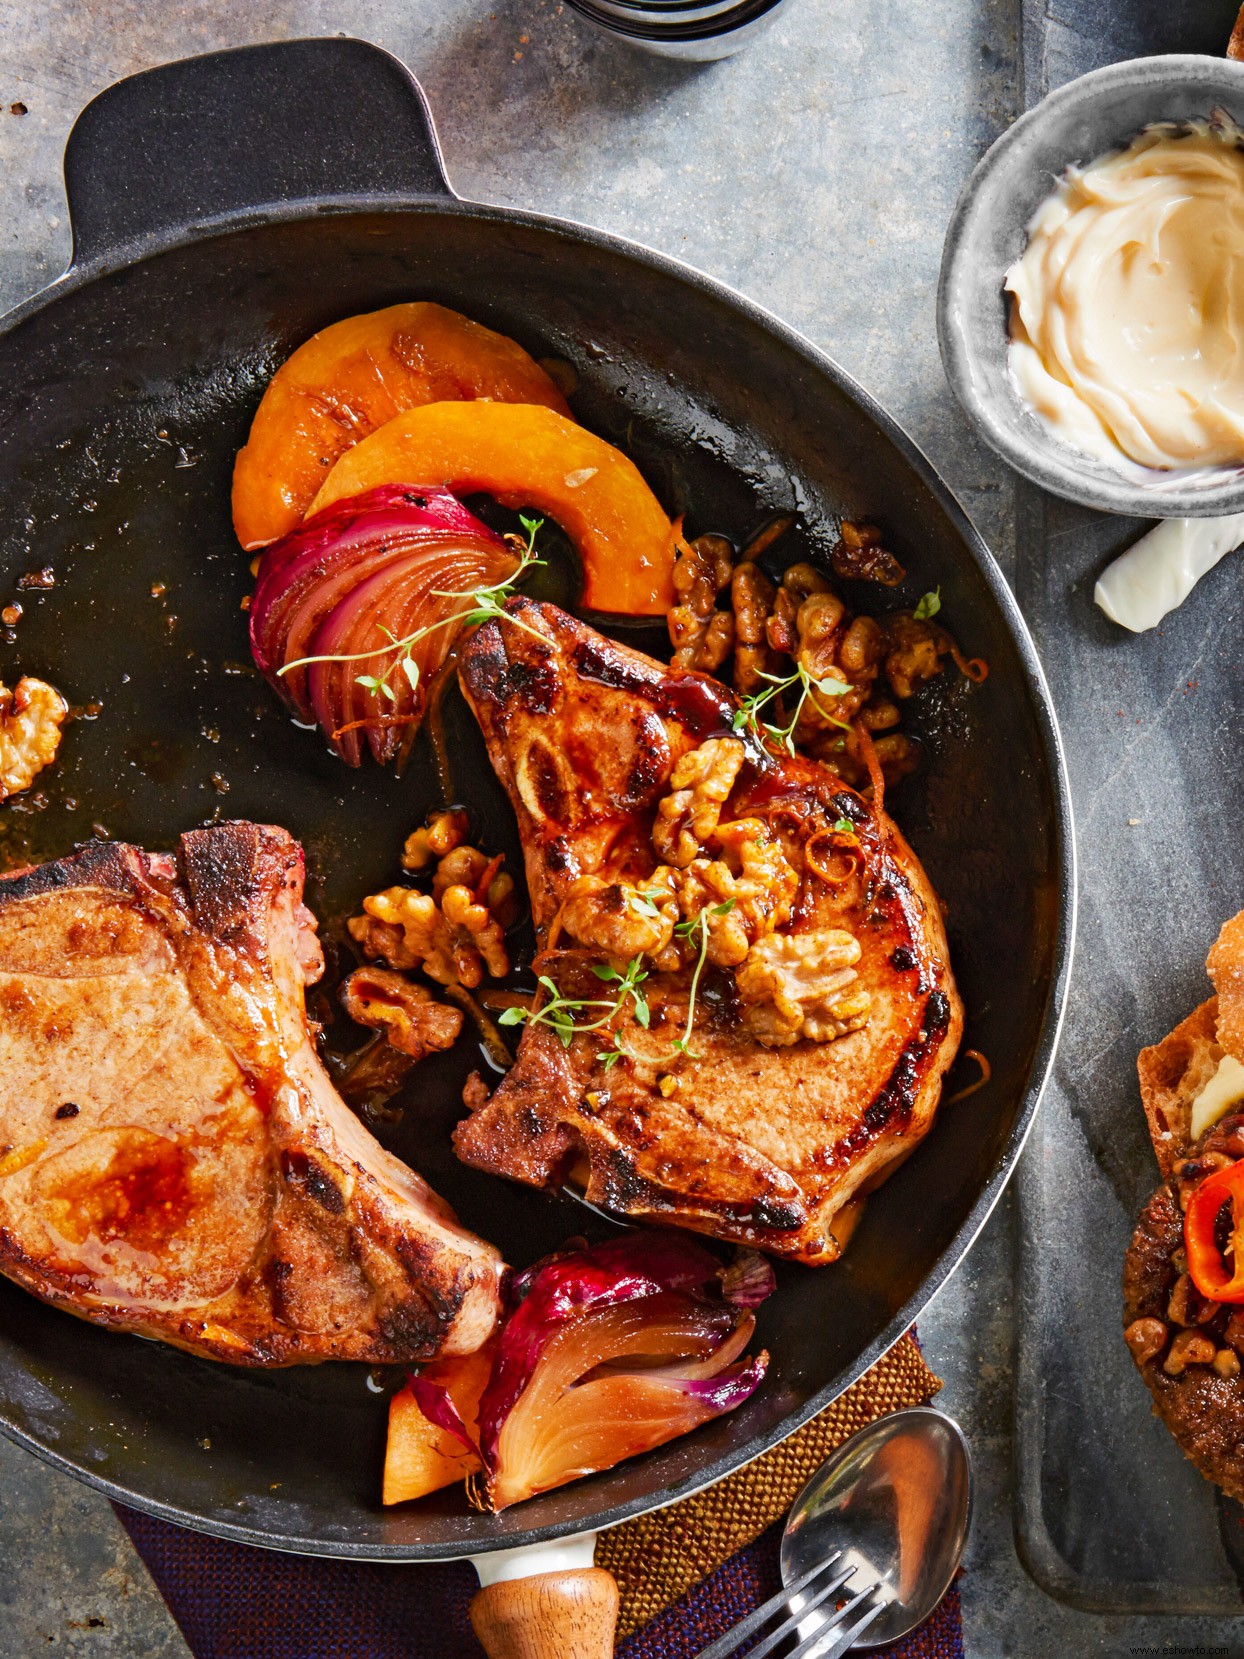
(816, 173)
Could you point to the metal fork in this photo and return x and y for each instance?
(834, 1630)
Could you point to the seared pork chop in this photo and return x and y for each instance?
(654, 826)
(173, 1158)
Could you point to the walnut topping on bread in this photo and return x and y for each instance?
(1186, 1339)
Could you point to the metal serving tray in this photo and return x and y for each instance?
(1109, 1515)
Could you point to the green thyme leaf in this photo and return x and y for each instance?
(928, 605)
(511, 1016)
(559, 1013)
(644, 904)
(843, 826)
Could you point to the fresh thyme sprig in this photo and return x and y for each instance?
(687, 930)
(484, 604)
(747, 716)
(559, 1012)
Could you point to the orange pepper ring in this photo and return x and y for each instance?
(1205, 1262)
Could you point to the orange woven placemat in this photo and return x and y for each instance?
(659, 1557)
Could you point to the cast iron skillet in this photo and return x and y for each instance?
(223, 209)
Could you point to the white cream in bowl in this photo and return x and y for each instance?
(1127, 322)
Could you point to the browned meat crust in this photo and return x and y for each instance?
(173, 1159)
(760, 1144)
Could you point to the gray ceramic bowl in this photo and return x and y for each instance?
(988, 232)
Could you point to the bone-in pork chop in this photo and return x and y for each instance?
(173, 1158)
(659, 833)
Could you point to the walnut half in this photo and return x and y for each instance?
(454, 941)
(699, 787)
(702, 635)
(802, 985)
(622, 918)
(411, 1020)
(31, 716)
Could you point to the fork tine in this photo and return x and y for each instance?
(727, 1644)
(788, 1624)
(841, 1627)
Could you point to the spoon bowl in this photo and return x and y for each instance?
(896, 1501)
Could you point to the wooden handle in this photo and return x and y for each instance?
(549, 1616)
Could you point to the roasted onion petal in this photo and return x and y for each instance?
(636, 1264)
(386, 563)
(620, 1270)
(585, 1409)
(730, 1388)
(748, 1280)
(610, 1351)
(685, 1369)
(436, 1405)
(604, 1423)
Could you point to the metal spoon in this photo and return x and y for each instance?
(896, 1501)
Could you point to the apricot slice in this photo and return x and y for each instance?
(420, 1457)
(349, 379)
(530, 457)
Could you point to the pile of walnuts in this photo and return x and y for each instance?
(735, 881)
(729, 611)
(455, 933)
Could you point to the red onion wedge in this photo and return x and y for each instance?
(396, 561)
(610, 1352)
(604, 1353)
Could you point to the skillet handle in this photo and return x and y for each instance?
(563, 1615)
(156, 155)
